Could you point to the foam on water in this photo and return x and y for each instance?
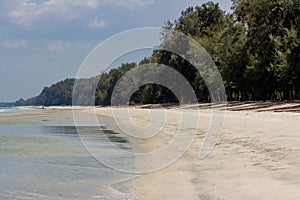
(7, 111)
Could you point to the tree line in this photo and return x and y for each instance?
(256, 48)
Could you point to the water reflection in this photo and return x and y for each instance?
(49, 162)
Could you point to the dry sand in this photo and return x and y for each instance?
(257, 156)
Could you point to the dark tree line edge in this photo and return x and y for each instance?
(256, 49)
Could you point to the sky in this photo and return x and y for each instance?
(45, 41)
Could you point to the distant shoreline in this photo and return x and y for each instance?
(261, 106)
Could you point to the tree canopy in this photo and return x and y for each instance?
(256, 48)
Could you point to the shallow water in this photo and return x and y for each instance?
(41, 157)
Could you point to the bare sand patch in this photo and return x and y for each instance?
(257, 157)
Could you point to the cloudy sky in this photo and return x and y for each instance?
(44, 41)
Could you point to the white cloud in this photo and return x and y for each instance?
(74, 3)
(25, 13)
(131, 4)
(97, 23)
(14, 44)
(56, 46)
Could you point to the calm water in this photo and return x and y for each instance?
(41, 157)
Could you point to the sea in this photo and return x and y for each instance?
(42, 157)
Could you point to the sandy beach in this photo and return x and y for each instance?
(256, 157)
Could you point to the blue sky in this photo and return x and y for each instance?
(44, 41)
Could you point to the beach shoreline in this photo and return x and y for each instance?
(247, 106)
(257, 157)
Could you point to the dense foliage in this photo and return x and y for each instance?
(58, 94)
(256, 48)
